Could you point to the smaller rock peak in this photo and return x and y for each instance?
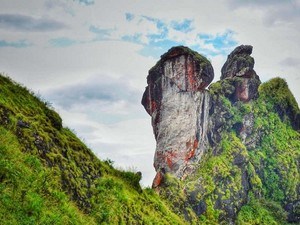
(239, 68)
(239, 63)
(242, 50)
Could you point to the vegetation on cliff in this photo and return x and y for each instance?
(256, 171)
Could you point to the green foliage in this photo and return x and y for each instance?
(211, 215)
(48, 176)
(29, 192)
(115, 203)
(270, 163)
(175, 196)
(223, 87)
(277, 92)
(219, 179)
(255, 180)
(261, 212)
(276, 159)
(55, 119)
(279, 98)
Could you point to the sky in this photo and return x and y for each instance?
(90, 58)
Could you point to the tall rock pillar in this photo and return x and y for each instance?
(178, 103)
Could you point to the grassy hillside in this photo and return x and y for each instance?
(48, 176)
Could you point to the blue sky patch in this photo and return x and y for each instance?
(62, 42)
(184, 26)
(150, 18)
(162, 34)
(102, 34)
(15, 44)
(222, 42)
(86, 2)
(129, 16)
(159, 41)
(159, 23)
(97, 30)
(135, 38)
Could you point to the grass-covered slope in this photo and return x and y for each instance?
(48, 176)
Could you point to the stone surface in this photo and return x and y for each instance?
(239, 63)
(239, 66)
(178, 103)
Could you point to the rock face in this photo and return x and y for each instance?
(178, 103)
(239, 66)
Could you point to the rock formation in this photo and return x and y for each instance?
(178, 103)
(206, 139)
(240, 64)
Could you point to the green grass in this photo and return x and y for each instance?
(261, 212)
(48, 176)
(31, 193)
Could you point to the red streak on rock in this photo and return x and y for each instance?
(192, 84)
(202, 86)
(157, 180)
(168, 157)
(192, 151)
(169, 162)
(195, 144)
(153, 106)
(242, 92)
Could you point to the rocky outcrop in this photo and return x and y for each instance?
(239, 67)
(213, 147)
(178, 103)
(239, 63)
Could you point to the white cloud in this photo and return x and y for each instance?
(18, 22)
